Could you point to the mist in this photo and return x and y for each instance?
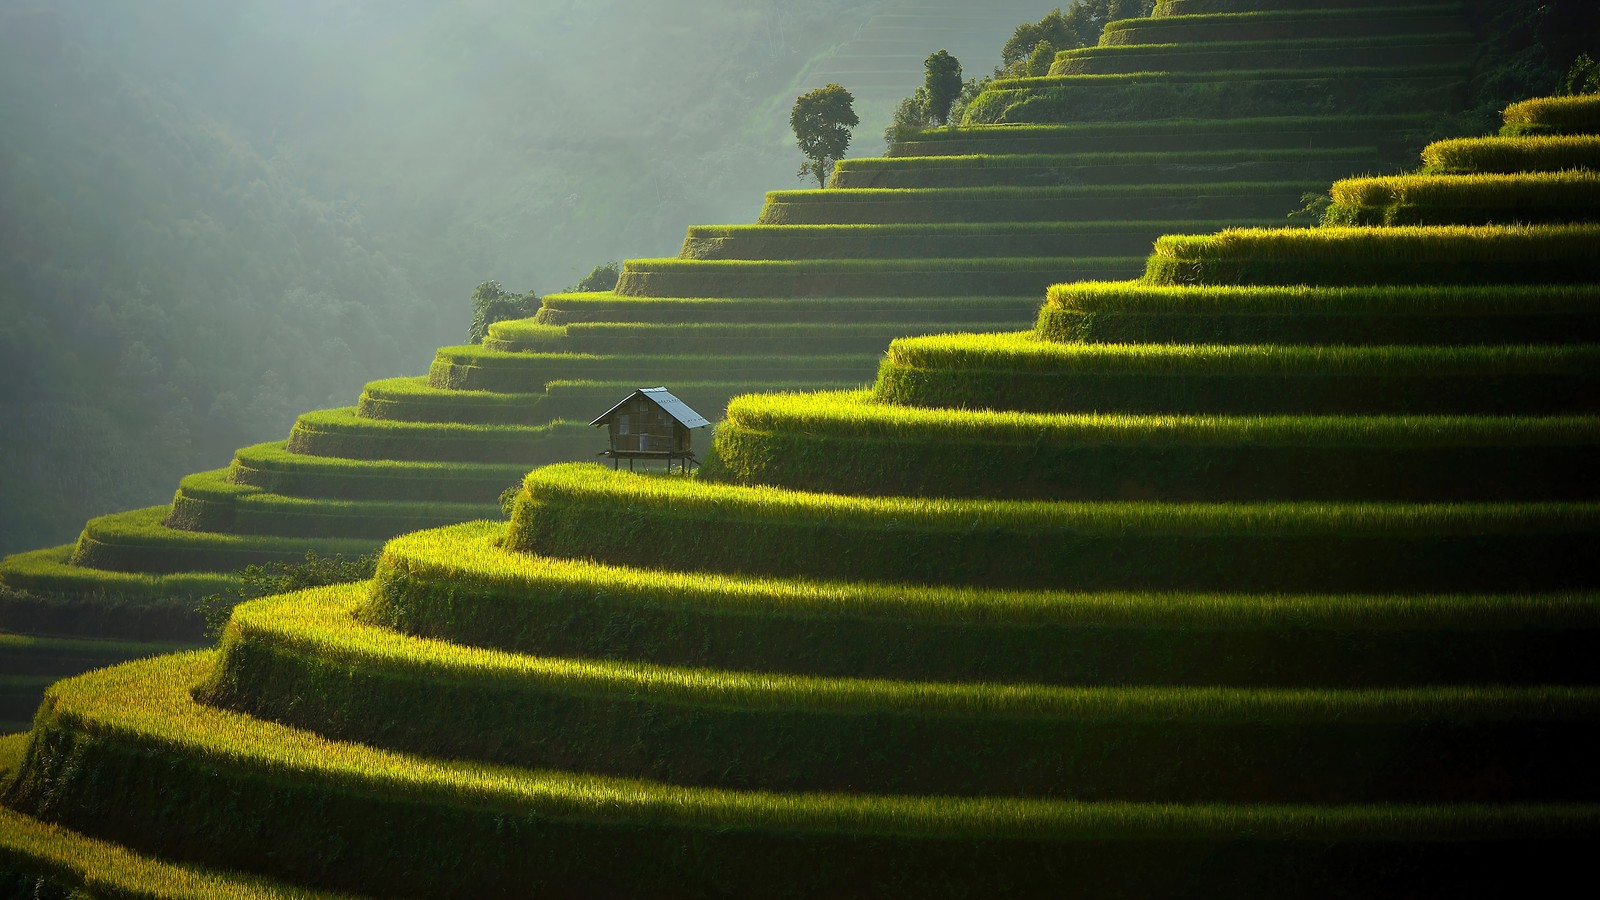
(215, 216)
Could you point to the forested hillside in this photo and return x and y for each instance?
(213, 216)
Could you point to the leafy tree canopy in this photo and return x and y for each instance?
(941, 85)
(601, 278)
(492, 303)
(822, 120)
(1079, 26)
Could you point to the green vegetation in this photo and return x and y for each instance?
(283, 578)
(271, 467)
(822, 120)
(1544, 197)
(35, 857)
(863, 277)
(585, 610)
(574, 308)
(942, 84)
(584, 511)
(986, 170)
(1134, 312)
(563, 826)
(1021, 372)
(1314, 53)
(1554, 115)
(414, 400)
(843, 206)
(209, 501)
(1284, 24)
(137, 541)
(601, 278)
(491, 303)
(830, 734)
(344, 434)
(1547, 153)
(1285, 587)
(1158, 136)
(1092, 238)
(1491, 254)
(842, 443)
(1238, 93)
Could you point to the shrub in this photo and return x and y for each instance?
(261, 580)
(491, 303)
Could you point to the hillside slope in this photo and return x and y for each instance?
(1278, 582)
(960, 229)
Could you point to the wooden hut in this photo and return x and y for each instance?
(651, 424)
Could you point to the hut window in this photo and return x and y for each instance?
(622, 424)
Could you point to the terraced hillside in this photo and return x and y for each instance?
(882, 63)
(961, 230)
(1269, 574)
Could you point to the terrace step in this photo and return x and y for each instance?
(1160, 135)
(273, 468)
(40, 857)
(1545, 198)
(732, 339)
(1049, 170)
(843, 443)
(1287, 25)
(137, 541)
(860, 277)
(343, 434)
(1445, 254)
(70, 601)
(581, 401)
(1042, 239)
(1416, 315)
(566, 309)
(1273, 92)
(580, 510)
(1166, 8)
(1023, 373)
(587, 610)
(1236, 200)
(568, 833)
(209, 502)
(1311, 53)
(756, 730)
(473, 368)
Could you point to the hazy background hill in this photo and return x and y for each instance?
(214, 216)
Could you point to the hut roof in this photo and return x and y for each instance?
(663, 398)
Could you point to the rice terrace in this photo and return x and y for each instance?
(1170, 470)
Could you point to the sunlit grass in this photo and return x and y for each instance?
(1508, 194)
(1133, 297)
(137, 540)
(1024, 352)
(852, 415)
(138, 706)
(1418, 254)
(107, 870)
(1558, 115)
(1552, 153)
(437, 567)
(49, 571)
(1065, 160)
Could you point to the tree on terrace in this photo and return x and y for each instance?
(941, 84)
(822, 120)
